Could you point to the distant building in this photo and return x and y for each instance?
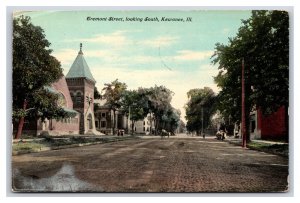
(76, 94)
(104, 119)
(144, 126)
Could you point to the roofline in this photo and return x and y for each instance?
(94, 81)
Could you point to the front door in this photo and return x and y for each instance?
(90, 122)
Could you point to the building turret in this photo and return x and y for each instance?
(81, 85)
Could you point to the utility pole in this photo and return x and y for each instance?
(243, 106)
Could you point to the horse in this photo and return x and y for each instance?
(164, 133)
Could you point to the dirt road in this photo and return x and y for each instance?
(152, 165)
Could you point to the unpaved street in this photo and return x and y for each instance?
(177, 164)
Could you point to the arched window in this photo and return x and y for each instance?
(61, 101)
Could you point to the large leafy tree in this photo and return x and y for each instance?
(171, 119)
(200, 108)
(262, 42)
(159, 102)
(33, 68)
(113, 93)
(135, 105)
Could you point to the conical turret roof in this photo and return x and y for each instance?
(80, 68)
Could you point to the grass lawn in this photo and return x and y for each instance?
(26, 145)
(279, 149)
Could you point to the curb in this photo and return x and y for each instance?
(42, 149)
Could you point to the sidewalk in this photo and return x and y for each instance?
(271, 147)
(239, 140)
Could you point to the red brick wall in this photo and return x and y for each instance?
(272, 126)
(66, 125)
(62, 87)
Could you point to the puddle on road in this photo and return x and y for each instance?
(63, 181)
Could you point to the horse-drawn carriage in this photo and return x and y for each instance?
(221, 135)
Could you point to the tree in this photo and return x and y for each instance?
(97, 95)
(33, 68)
(135, 106)
(181, 126)
(200, 108)
(171, 119)
(159, 102)
(263, 43)
(113, 93)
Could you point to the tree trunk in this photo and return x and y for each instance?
(156, 125)
(21, 122)
(132, 126)
(127, 127)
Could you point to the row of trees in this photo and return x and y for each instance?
(34, 68)
(154, 102)
(262, 43)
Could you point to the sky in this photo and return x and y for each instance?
(124, 45)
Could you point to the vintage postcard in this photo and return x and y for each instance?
(150, 101)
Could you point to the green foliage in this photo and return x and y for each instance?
(201, 102)
(134, 104)
(33, 68)
(18, 113)
(137, 104)
(158, 100)
(97, 94)
(181, 126)
(113, 93)
(27, 147)
(263, 43)
(171, 119)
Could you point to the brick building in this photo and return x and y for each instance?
(269, 127)
(81, 85)
(76, 94)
